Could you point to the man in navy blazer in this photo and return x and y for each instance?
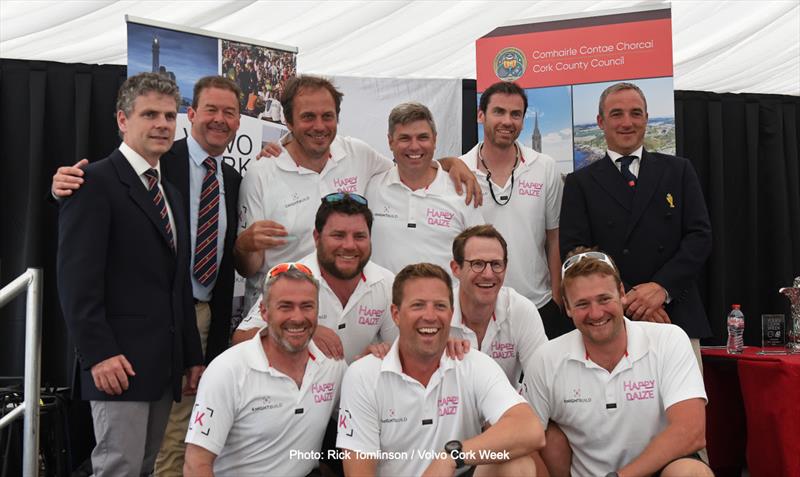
(646, 210)
(123, 282)
(214, 115)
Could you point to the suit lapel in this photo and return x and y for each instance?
(609, 178)
(650, 170)
(175, 165)
(229, 177)
(138, 192)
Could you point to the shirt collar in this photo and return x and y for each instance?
(498, 316)
(391, 362)
(615, 155)
(256, 358)
(637, 346)
(437, 187)
(198, 155)
(139, 164)
(472, 159)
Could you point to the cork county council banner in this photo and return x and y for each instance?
(564, 64)
(186, 55)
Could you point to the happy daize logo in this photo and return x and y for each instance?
(509, 64)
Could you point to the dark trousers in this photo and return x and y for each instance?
(555, 321)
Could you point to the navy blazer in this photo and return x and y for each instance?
(122, 288)
(175, 167)
(660, 231)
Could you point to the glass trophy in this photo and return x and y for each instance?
(773, 334)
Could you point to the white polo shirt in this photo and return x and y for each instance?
(534, 207)
(280, 190)
(609, 418)
(416, 226)
(404, 424)
(514, 333)
(365, 319)
(256, 420)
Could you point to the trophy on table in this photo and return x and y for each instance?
(793, 294)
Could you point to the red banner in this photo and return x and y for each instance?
(591, 54)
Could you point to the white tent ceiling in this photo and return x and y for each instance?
(722, 46)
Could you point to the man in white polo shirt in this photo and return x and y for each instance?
(628, 395)
(418, 411)
(263, 405)
(279, 197)
(355, 293)
(495, 319)
(523, 200)
(417, 210)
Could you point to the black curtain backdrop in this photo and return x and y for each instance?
(743, 146)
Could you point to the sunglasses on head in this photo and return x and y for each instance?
(285, 267)
(588, 255)
(340, 196)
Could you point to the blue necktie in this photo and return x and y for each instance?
(624, 168)
(205, 249)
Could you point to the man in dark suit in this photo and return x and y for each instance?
(214, 115)
(645, 209)
(123, 258)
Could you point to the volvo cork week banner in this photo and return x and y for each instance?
(261, 69)
(564, 64)
(186, 55)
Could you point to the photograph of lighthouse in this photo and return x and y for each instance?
(182, 56)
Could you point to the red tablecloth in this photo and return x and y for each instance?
(753, 411)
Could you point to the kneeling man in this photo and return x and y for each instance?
(418, 412)
(628, 395)
(263, 405)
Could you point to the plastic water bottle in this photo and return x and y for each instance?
(735, 330)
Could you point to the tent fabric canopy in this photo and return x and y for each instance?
(720, 46)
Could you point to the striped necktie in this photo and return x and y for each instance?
(624, 168)
(205, 250)
(161, 205)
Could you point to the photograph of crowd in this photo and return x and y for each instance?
(261, 73)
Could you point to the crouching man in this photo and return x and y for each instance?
(628, 395)
(418, 412)
(263, 405)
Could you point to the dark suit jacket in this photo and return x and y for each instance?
(175, 166)
(122, 288)
(649, 239)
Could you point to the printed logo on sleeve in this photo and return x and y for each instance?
(345, 422)
(201, 419)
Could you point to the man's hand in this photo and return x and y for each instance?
(456, 349)
(658, 316)
(111, 375)
(270, 149)
(379, 350)
(328, 342)
(643, 300)
(460, 174)
(192, 380)
(68, 178)
(261, 235)
(443, 466)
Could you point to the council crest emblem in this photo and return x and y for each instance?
(509, 64)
